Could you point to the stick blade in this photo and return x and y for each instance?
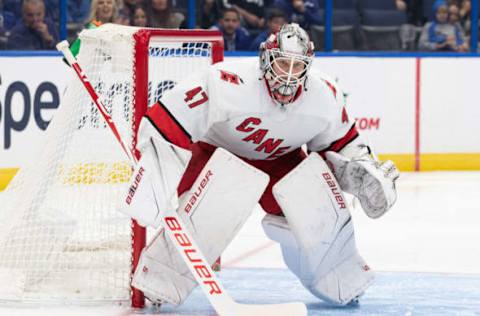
(286, 309)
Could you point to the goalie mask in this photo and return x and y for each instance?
(285, 58)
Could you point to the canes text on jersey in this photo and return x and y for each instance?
(258, 135)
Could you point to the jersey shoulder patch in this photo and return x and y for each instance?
(229, 84)
(235, 74)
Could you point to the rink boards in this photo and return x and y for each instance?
(420, 112)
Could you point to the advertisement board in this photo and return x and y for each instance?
(420, 112)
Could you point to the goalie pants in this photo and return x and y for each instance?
(276, 169)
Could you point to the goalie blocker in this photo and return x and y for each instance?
(370, 180)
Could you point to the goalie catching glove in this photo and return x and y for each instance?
(371, 181)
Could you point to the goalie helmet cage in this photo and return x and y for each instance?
(61, 238)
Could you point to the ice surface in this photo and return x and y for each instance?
(393, 293)
(428, 243)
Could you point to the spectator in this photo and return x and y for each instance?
(33, 31)
(120, 8)
(235, 37)
(139, 16)
(465, 8)
(251, 12)
(125, 10)
(13, 10)
(161, 15)
(101, 11)
(276, 19)
(401, 5)
(440, 35)
(453, 14)
(303, 12)
(209, 13)
(454, 19)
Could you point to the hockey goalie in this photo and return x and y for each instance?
(226, 139)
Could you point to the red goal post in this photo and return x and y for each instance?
(142, 40)
(61, 238)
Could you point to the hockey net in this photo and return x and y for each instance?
(61, 238)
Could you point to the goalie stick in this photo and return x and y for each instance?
(182, 239)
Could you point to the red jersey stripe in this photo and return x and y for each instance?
(332, 87)
(168, 126)
(342, 142)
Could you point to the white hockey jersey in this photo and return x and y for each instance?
(230, 106)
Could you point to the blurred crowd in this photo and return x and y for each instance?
(426, 25)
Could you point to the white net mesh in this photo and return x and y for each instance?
(61, 238)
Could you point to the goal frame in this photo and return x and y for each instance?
(62, 239)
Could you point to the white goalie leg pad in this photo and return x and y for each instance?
(276, 228)
(216, 207)
(341, 277)
(371, 181)
(324, 255)
(148, 194)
